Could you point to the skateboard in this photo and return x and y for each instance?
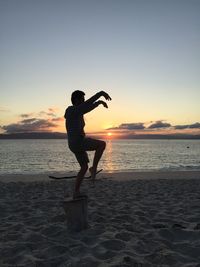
(71, 177)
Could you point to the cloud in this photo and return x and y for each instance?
(29, 125)
(141, 126)
(26, 115)
(129, 126)
(181, 127)
(35, 122)
(195, 125)
(45, 113)
(29, 120)
(188, 126)
(159, 124)
(53, 110)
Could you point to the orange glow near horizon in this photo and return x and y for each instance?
(110, 135)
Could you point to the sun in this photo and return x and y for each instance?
(109, 134)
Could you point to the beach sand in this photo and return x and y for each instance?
(135, 219)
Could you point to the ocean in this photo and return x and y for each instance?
(37, 156)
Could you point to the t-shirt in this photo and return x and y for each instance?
(74, 116)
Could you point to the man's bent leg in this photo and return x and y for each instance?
(97, 156)
(79, 178)
(83, 160)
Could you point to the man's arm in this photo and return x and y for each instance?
(97, 96)
(87, 107)
(91, 103)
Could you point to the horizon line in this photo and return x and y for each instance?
(62, 135)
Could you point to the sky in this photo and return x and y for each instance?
(144, 53)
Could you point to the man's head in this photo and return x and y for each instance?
(77, 97)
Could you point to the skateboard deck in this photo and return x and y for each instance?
(71, 177)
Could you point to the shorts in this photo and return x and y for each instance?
(79, 148)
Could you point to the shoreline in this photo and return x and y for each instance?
(116, 175)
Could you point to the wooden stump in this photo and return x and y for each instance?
(76, 212)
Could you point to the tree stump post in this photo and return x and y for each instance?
(77, 213)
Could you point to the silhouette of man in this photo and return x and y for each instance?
(78, 143)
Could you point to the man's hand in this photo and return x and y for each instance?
(103, 103)
(104, 94)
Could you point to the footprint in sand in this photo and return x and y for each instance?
(159, 225)
(113, 244)
(197, 227)
(125, 236)
(178, 226)
(102, 253)
(87, 261)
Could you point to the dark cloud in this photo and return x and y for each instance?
(35, 122)
(195, 126)
(29, 120)
(159, 124)
(29, 125)
(51, 112)
(26, 115)
(155, 125)
(45, 113)
(181, 127)
(129, 126)
(188, 126)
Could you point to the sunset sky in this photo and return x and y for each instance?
(144, 53)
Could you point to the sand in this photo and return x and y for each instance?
(135, 219)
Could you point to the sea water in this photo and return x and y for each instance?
(34, 156)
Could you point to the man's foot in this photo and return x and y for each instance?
(93, 173)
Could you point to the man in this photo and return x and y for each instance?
(77, 141)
